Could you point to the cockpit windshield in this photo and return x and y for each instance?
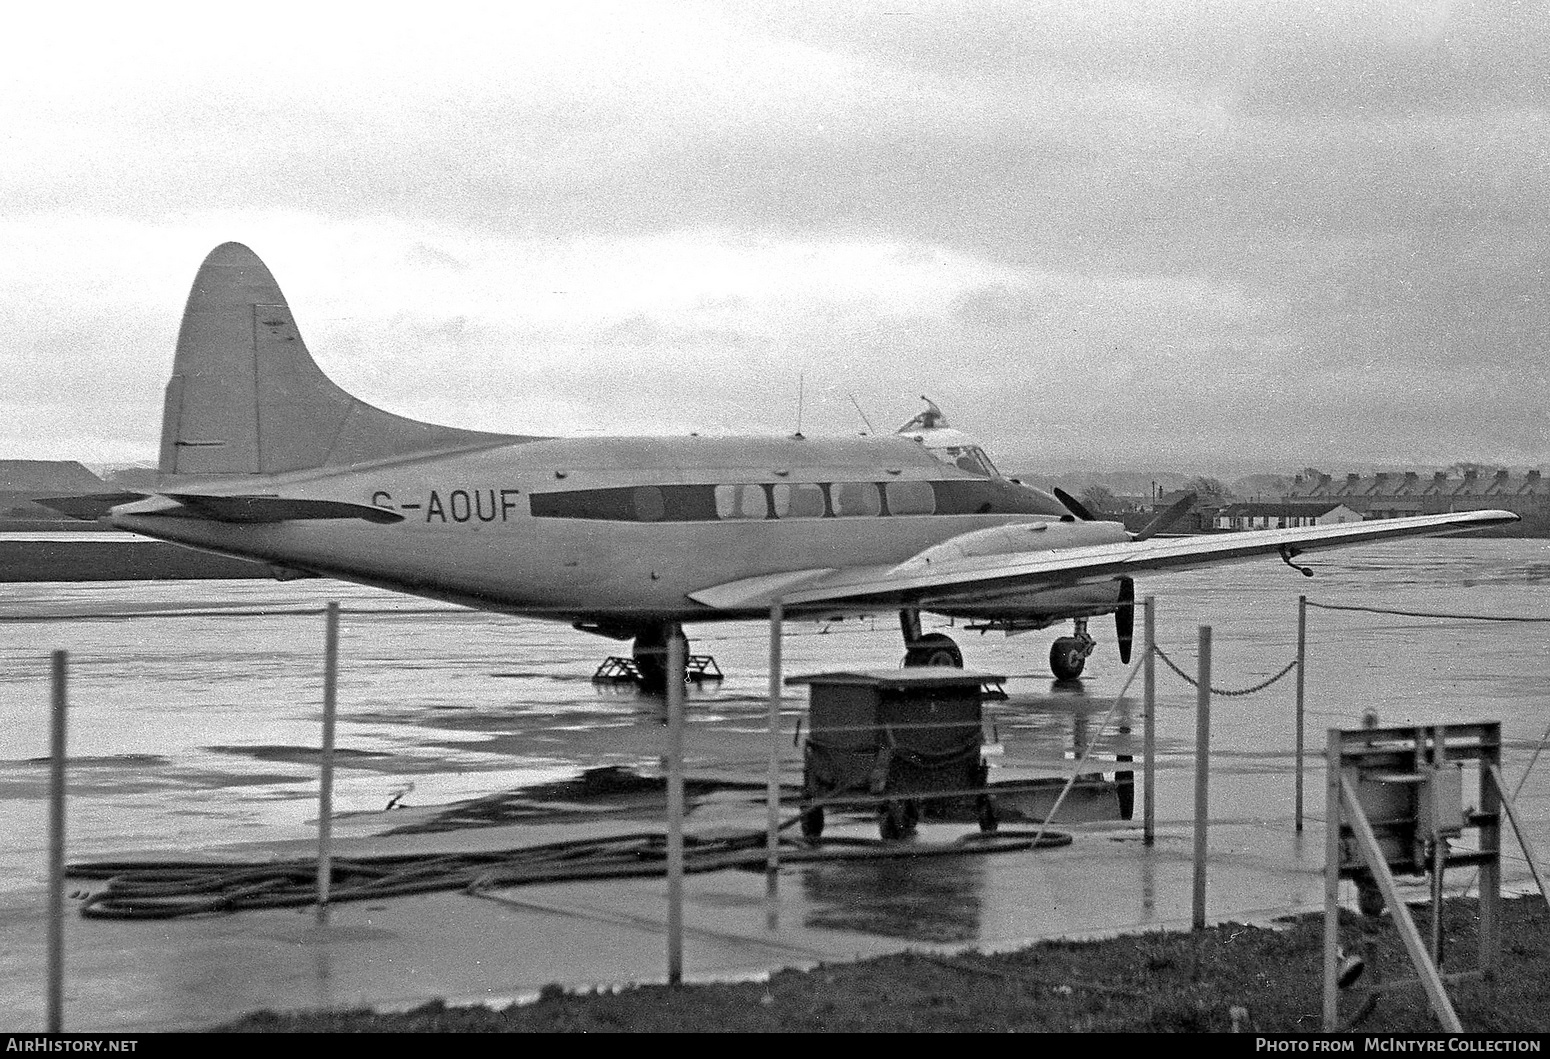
(949, 446)
(969, 458)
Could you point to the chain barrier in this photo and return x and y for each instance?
(1425, 613)
(1225, 693)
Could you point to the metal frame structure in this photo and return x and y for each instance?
(1394, 803)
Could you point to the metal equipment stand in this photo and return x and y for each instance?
(1395, 804)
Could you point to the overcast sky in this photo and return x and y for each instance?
(1204, 234)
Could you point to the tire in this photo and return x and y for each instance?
(891, 822)
(934, 649)
(1369, 898)
(1066, 659)
(985, 809)
(652, 673)
(812, 823)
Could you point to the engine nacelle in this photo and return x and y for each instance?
(1020, 611)
(1044, 535)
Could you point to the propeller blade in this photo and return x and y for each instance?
(1125, 618)
(1073, 505)
(1175, 511)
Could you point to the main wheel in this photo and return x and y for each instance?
(812, 823)
(651, 672)
(650, 655)
(934, 649)
(1067, 659)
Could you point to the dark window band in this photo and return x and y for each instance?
(698, 503)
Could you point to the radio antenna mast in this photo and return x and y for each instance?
(870, 428)
(800, 380)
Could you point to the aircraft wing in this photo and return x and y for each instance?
(914, 584)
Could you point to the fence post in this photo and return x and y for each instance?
(56, 849)
(326, 765)
(1149, 721)
(1302, 659)
(675, 803)
(1334, 756)
(772, 784)
(1202, 773)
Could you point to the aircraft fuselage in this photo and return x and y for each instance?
(623, 529)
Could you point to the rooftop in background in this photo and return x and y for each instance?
(1273, 510)
(1417, 483)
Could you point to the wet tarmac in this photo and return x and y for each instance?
(193, 735)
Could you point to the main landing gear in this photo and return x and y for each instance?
(1068, 654)
(928, 649)
(650, 656)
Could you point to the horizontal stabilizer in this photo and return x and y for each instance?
(91, 506)
(252, 509)
(79, 556)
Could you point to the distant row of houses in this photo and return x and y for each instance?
(1389, 495)
(1282, 516)
(1325, 500)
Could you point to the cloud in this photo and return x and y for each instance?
(1190, 228)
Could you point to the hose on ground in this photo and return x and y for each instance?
(172, 889)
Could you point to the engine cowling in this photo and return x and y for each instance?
(1018, 609)
(1044, 535)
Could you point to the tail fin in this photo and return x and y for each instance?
(245, 396)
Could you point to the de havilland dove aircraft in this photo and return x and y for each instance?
(264, 458)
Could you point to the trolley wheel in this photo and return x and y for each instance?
(1369, 899)
(986, 811)
(912, 815)
(892, 821)
(812, 823)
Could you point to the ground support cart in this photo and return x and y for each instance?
(906, 741)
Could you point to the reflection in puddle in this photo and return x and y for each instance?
(932, 899)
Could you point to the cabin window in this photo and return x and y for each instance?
(910, 498)
(741, 501)
(855, 498)
(801, 500)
